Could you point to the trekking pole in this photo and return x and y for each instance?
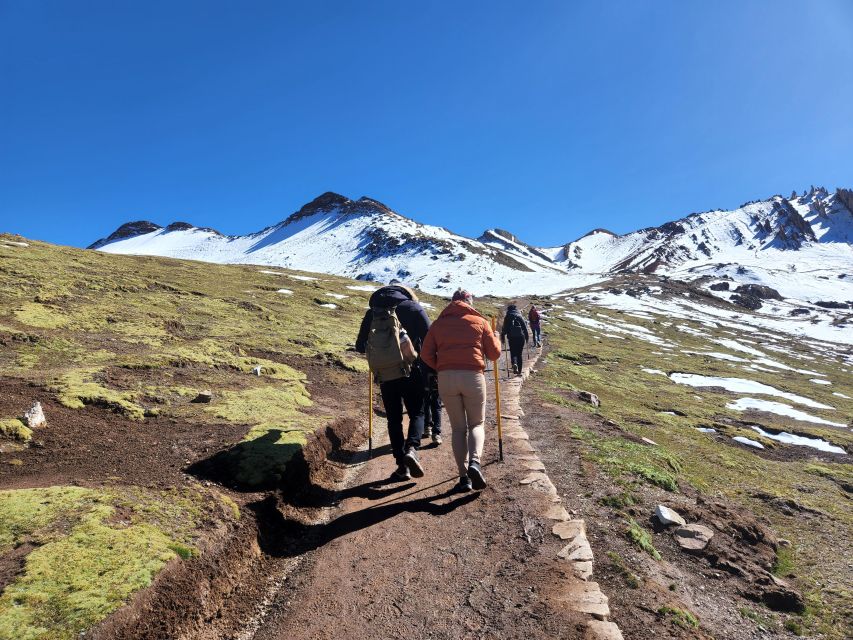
(506, 359)
(498, 403)
(370, 415)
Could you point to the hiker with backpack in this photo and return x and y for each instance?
(457, 346)
(391, 334)
(515, 329)
(535, 325)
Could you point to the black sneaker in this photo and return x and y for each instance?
(413, 464)
(401, 474)
(475, 474)
(464, 485)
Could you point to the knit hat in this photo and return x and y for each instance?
(464, 296)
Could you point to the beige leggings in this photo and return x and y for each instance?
(464, 397)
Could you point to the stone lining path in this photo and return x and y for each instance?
(580, 593)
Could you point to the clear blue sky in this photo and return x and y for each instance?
(545, 118)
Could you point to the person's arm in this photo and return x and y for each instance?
(429, 350)
(524, 328)
(364, 332)
(420, 326)
(491, 346)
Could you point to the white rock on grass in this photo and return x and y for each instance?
(34, 417)
(285, 291)
(667, 516)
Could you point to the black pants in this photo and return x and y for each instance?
(409, 392)
(516, 348)
(432, 406)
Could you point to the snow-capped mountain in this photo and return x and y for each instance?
(802, 246)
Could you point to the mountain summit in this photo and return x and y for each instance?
(811, 232)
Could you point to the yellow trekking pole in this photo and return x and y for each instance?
(498, 402)
(370, 415)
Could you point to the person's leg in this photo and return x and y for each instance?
(428, 417)
(516, 346)
(392, 399)
(449, 389)
(435, 406)
(474, 399)
(413, 398)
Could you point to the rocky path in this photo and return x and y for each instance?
(415, 560)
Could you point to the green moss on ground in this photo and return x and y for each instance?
(75, 390)
(91, 550)
(619, 457)
(15, 429)
(679, 617)
(641, 538)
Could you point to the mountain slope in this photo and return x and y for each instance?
(763, 242)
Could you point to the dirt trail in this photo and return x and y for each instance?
(414, 559)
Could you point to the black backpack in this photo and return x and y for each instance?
(516, 327)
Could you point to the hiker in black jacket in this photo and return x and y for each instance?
(515, 328)
(409, 391)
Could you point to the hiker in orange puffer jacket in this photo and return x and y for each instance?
(457, 345)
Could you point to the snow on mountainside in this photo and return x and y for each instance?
(358, 238)
(801, 246)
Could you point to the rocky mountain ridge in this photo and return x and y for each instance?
(366, 239)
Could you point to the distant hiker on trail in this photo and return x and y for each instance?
(432, 410)
(457, 346)
(535, 325)
(391, 334)
(515, 329)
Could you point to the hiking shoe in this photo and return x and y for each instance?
(413, 464)
(436, 439)
(475, 474)
(464, 485)
(401, 474)
(427, 432)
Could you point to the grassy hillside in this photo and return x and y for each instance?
(117, 348)
(803, 493)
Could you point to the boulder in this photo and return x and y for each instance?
(759, 291)
(203, 397)
(693, 537)
(591, 398)
(720, 286)
(781, 596)
(667, 516)
(35, 416)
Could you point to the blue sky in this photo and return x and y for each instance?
(544, 118)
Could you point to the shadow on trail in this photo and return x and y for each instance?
(281, 537)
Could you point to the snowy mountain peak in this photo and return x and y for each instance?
(366, 239)
(334, 203)
(127, 230)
